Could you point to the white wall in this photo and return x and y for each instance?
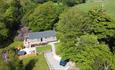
(29, 42)
(48, 39)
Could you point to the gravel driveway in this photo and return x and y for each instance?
(53, 63)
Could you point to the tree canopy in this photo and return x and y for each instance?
(79, 40)
(43, 17)
(87, 38)
(11, 61)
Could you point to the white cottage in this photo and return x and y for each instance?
(36, 38)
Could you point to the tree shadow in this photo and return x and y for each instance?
(31, 64)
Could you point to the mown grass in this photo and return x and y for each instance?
(35, 63)
(43, 48)
(16, 44)
(109, 6)
(58, 48)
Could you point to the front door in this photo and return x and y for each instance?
(41, 39)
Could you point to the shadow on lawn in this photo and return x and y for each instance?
(31, 64)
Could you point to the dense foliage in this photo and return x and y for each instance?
(10, 62)
(9, 20)
(5, 15)
(87, 38)
(82, 37)
(43, 17)
(103, 27)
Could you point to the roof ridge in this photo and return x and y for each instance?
(42, 31)
(41, 34)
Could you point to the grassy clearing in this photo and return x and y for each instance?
(109, 6)
(26, 56)
(58, 48)
(43, 48)
(35, 63)
(17, 44)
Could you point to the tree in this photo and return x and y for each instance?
(101, 64)
(90, 49)
(72, 24)
(3, 32)
(12, 63)
(85, 52)
(43, 17)
(10, 19)
(103, 26)
(79, 43)
(27, 6)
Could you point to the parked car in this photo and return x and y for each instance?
(21, 53)
(64, 62)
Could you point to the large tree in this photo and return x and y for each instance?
(43, 17)
(9, 19)
(104, 27)
(73, 23)
(5, 12)
(80, 43)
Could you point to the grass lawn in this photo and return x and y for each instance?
(16, 44)
(58, 48)
(43, 48)
(35, 63)
(109, 6)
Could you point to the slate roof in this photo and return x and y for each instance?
(37, 35)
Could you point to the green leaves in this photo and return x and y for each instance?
(12, 60)
(80, 35)
(103, 27)
(3, 31)
(73, 23)
(9, 19)
(90, 50)
(43, 17)
(88, 39)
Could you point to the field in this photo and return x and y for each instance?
(108, 5)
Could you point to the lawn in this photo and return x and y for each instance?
(109, 6)
(17, 44)
(43, 48)
(35, 63)
(58, 48)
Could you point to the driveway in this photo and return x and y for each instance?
(57, 57)
(53, 60)
(53, 63)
